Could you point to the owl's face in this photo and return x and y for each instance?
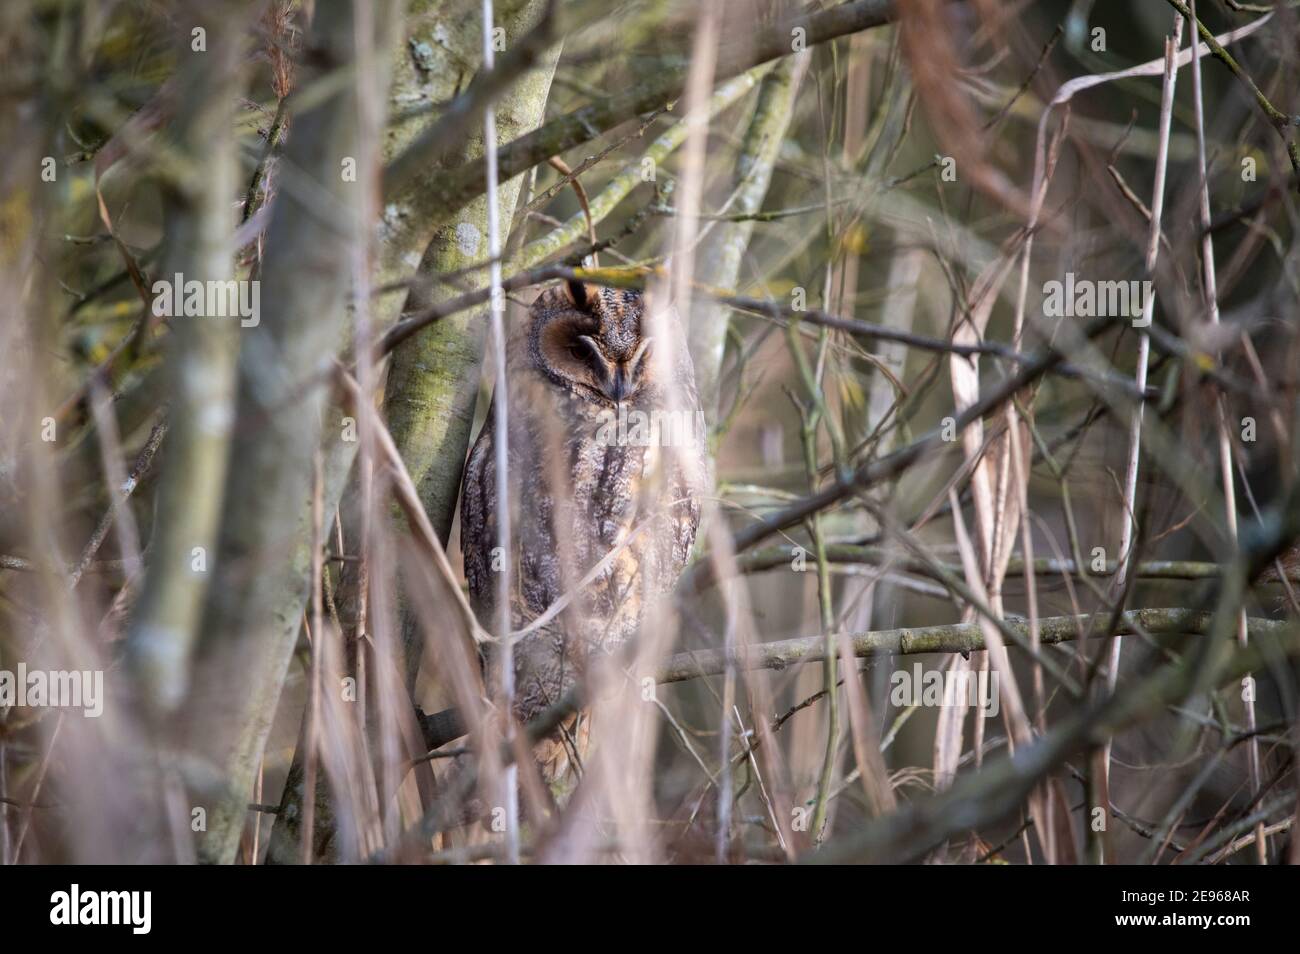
(587, 339)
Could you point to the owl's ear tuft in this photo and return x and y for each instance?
(578, 294)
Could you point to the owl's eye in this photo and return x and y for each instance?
(582, 348)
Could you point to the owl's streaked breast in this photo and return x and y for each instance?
(578, 498)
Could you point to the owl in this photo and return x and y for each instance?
(608, 462)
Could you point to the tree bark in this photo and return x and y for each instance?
(199, 367)
(254, 607)
(433, 378)
(721, 256)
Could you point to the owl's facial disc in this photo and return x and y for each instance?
(614, 378)
(593, 345)
(571, 356)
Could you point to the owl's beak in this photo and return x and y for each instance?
(620, 387)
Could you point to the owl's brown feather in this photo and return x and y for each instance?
(577, 494)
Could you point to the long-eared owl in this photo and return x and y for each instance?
(606, 450)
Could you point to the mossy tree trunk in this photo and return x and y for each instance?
(433, 378)
(200, 369)
(721, 257)
(260, 578)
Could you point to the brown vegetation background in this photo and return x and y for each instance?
(858, 209)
